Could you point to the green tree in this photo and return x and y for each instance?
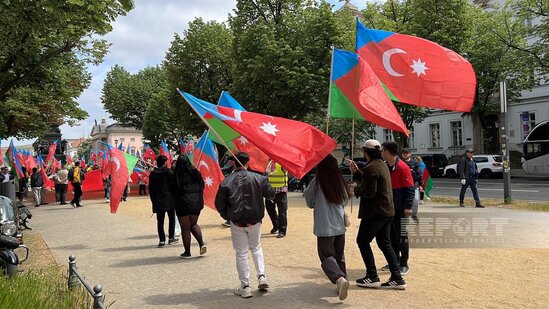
(126, 96)
(198, 62)
(84, 148)
(45, 46)
(282, 55)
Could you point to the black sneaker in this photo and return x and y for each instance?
(385, 268)
(161, 244)
(404, 270)
(394, 284)
(461, 204)
(274, 231)
(369, 282)
(479, 206)
(173, 241)
(185, 255)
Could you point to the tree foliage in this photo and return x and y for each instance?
(44, 48)
(198, 62)
(126, 96)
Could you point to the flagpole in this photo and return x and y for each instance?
(212, 129)
(352, 151)
(330, 92)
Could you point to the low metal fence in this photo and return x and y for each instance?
(75, 277)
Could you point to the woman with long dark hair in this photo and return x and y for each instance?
(189, 201)
(328, 194)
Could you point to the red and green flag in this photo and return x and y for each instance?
(417, 71)
(357, 93)
(427, 183)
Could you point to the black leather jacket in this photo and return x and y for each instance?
(240, 197)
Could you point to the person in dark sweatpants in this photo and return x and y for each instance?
(327, 194)
(376, 213)
(402, 183)
(160, 189)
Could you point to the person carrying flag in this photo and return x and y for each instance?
(240, 200)
(160, 189)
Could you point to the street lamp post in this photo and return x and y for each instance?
(505, 144)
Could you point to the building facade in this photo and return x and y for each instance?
(116, 134)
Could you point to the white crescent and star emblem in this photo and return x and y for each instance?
(117, 162)
(418, 67)
(386, 58)
(243, 140)
(202, 163)
(208, 181)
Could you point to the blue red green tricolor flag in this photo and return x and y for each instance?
(357, 93)
(206, 161)
(13, 161)
(427, 183)
(295, 145)
(417, 71)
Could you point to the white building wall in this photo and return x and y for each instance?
(422, 142)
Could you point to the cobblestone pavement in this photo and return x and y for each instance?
(119, 252)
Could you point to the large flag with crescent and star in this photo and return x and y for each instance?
(206, 161)
(417, 71)
(149, 154)
(296, 145)
(121, 166)
(258, 159)
(357, 93)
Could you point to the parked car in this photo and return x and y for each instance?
(488, 166)
(346, 170)
(435, 163)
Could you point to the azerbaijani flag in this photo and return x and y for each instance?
(258, 159)
(206, 161)
(51, 151)
(357, 93)
(121, 166)
(120, 146)
(427, 182)
(417, 71)
(296, 145)
(13, 161)
(163, 151)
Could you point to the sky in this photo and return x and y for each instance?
(141, 39)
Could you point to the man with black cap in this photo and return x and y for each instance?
(467, 170)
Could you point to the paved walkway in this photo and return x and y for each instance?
(119, 251)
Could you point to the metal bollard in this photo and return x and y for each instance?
(73, 279)
(98, 297)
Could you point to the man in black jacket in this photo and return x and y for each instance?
(160, 192)
(240, 200)
(36, 184)
(467, 170)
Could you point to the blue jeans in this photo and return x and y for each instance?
(473, 183)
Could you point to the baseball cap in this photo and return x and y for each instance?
(406, 150)
(372, 144)
(469, 150)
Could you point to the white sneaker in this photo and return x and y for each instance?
(107, 201)
(243, 292)
(342, 287)
(203, 249)
(263, 285)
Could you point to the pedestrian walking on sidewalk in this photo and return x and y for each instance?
(376, 212)
(240, 200)
(36, 184)
(327, 194)
(76, 177)
(189, 202)
(160, 189)
(468, 172)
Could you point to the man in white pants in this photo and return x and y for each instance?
(240, 200)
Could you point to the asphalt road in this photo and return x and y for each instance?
(536, 189)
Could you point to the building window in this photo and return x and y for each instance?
(528, 121)
(457, 133)
(121, 139)
(132, 140)
(434, 130)
(411, 139)
(387, 135)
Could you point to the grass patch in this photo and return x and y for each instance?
(42, 284)
(523, 205)
(41, 289)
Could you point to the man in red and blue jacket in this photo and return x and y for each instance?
(402, 184)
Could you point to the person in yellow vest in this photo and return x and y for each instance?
(278, 178)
